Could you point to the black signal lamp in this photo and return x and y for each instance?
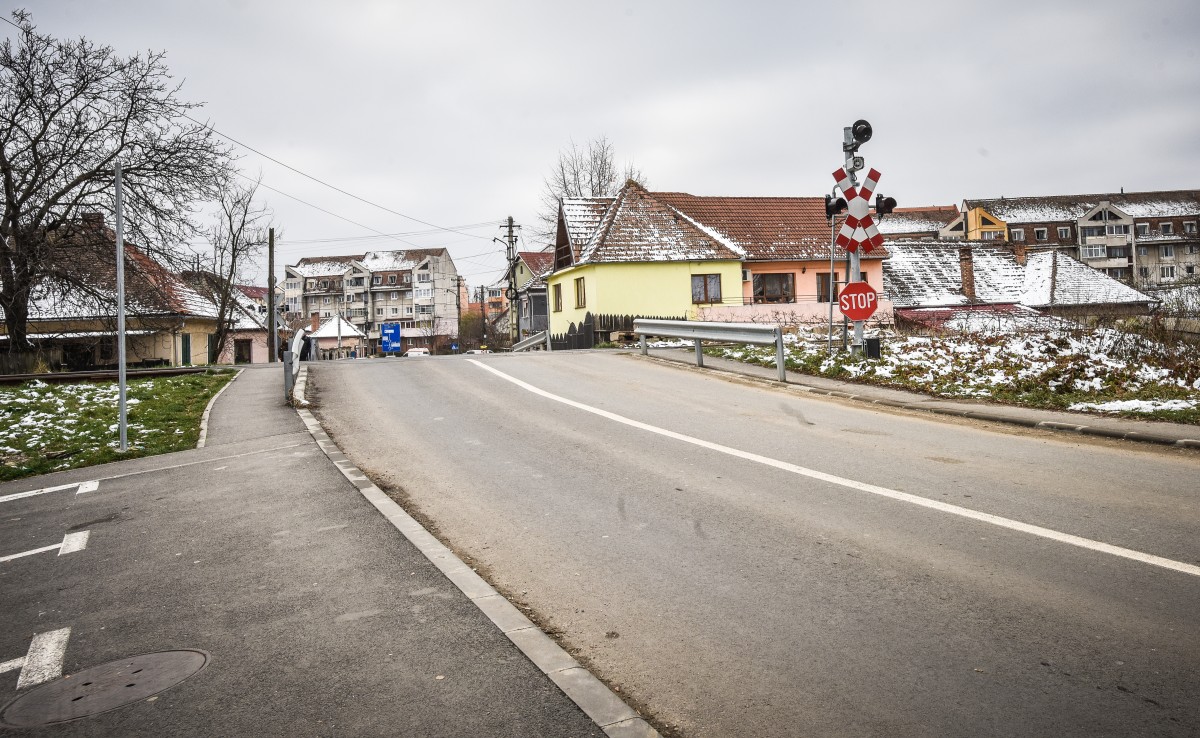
(833, 207)
(884, 205)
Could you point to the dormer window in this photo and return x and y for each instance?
(1143, 229)
(391, 279)
(1018, 234)
(1039, 234)
(1166, 229)
(377, 279)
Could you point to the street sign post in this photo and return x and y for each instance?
(858, 301)
(390, 338)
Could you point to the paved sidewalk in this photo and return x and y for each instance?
(319, 617)
(1147, 431)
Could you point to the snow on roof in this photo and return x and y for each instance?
(329, 329)
(1003, 317)
(583, 215)
(639, 228)
(1050, 208)
(917, 220)
(324, 266)
(397, 259)
(929, 274)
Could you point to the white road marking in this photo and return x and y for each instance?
(45, 658)
(7, 666)
(44, 490)
(73, 542)
(91, 486)
(996, 520)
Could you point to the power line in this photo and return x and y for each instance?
(326, 184)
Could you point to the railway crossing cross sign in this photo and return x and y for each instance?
(859, 227)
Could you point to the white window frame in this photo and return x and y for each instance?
(379, 311)
(1041, 234)
(1189, 227)
(395, 296)
(1143, 229)
(377, 279)
(1166, 229)
(1064, 232)
(391, 279)
(1018, 234)
(1095, 251)
(1167, 251)
(1166, 271)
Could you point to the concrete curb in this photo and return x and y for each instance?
(209, 407)
(997, 416)
(598, 702)
(300, 387)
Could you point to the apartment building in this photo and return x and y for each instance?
(1147, 239)
(417, 288)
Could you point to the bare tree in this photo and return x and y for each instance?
(238, 237)
(591, 171)
(69, 111)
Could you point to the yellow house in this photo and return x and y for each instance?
(631, 256)
(983, 226)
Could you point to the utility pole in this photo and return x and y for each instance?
(272, 331)
(511, 294)
(122, 411)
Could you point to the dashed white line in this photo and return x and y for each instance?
(963, 512)
(7, 666)
(90, 486)
(45, 658)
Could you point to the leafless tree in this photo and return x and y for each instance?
(69, 111)
(238, 237)
(591, 171)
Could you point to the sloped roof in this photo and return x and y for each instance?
(917, 220)
(1041, 209)
(324, 266)
(540, 263)
(253, 291)
(329, 329)
(639, 228)
(928, 274)
(397, 259)
(582, 217)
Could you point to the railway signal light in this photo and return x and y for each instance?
(833, 207)
(884, 205)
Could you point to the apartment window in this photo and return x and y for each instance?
(324, 300)
(1144, 272)
(1064, 233)
(426, 292)
(356, 282)
(558, 298)
(379, 312)
(1194, 249)
(1018, 234)
(991, 235)
(423, 277)
(395, 311)
(1094, 251)
(1039, 234)
(1091, 231)
(324, 284)
(1190, 227)
(1167, 271)
(391, 279)
(706, 288)
(1143, 251)
(774, 287)
(408, 309)
(1167, 251)
(827, 289)
(1190, 270)
(1165, 229)
(395, 295)
(377, 279)
(580, 293)
(1143, 229)
(424, 309)
(1117, 230)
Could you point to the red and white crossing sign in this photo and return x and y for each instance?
(859, 227)
(858, 301)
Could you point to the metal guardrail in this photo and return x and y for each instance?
(708, 331)
(534, 340)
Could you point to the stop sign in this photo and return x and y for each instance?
(858, 301)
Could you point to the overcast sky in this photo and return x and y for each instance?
(452, 112)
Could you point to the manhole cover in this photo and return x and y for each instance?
(102, 688)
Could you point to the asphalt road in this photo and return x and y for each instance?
(769, 569)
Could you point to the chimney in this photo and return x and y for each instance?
(966, 266)
(316, 321)
(1019, 252)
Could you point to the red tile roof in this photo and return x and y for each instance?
(539, 262)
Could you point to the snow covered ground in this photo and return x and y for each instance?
(1087, 370)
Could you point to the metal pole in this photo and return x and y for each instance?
(699, 354)
(272, 331)
(121, 407)
(644, 346)
(779, 357)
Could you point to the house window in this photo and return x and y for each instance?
(377, 279)
(580, 293)
(1018, 234)
(827, 289)
(1165, 229)
(1167, 271)
(391, 279)
(395, 295)
(1094, 251)
(991, 235)
(1039, 234)
(1190, 227)
(1064, 233)
(558, 298)
(1143, 229)
(774, 287)
(1167, 250)
(1190, 270)
(706, 288)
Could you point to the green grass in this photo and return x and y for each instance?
(51, 427)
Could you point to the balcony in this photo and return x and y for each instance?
(1119, 239)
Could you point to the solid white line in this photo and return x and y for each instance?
(13, 665)
(23, 554)
(996, 520)
(33, 492)
(90, 486)
(73, 542)
(45, 658)
(208, 409)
